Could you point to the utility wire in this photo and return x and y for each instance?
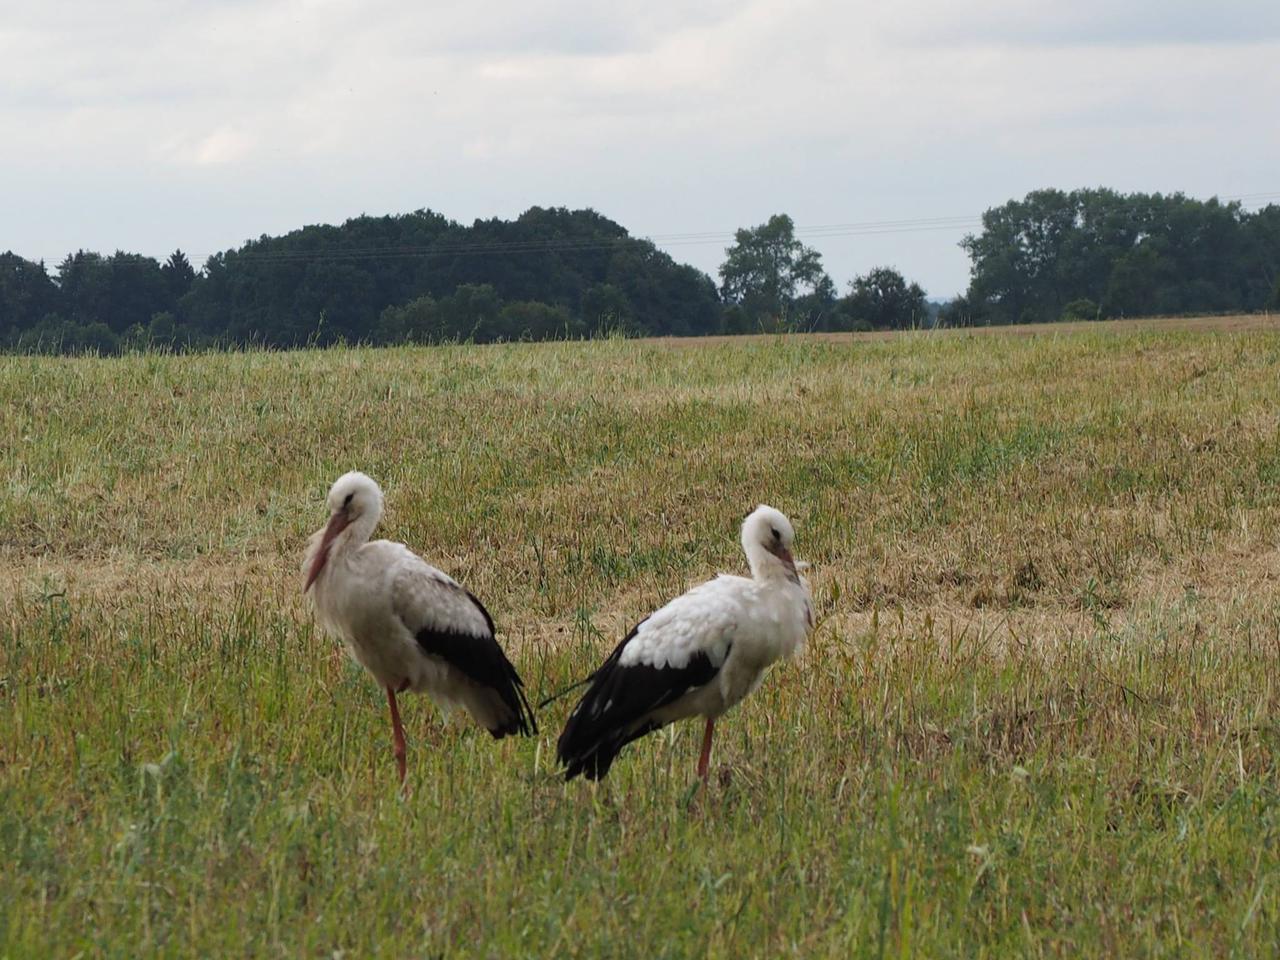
(448, 250)
(831, 231)
(483, 248)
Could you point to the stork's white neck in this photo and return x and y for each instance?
(357, 533)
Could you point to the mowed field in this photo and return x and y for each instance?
(1038, 716)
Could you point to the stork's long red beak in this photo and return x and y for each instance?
(337, 523)
(783, 554)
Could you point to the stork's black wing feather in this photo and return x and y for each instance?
(616, 708)
(481, 659)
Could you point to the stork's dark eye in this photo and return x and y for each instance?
(347, 502)
(776, 534)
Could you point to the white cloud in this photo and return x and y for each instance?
(669, 117)
(224, 145)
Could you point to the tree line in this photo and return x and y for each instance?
(1097, 254)
(421, 278)
(416, 277)
(556, 273)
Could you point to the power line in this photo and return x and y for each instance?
(830, 231)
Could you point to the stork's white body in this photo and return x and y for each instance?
(699, 655)
(413, 627)
(377, 597)
(742, 625)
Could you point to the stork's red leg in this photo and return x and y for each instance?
(398, 731)
(705, 759)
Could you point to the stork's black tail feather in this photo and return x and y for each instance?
(594, 764)
(522, 720)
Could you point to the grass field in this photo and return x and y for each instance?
(1038, 718)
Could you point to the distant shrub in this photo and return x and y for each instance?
(1082, 309)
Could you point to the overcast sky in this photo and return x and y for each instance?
(148, 126)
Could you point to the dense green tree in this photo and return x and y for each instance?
(162, 330)
(1260, 257)
(1130, 254)
(57, 334)
(818, 309)
(178, 275)
(323, 283)
(667, 299)
(118, 291)
(963, 312)
(471, 313)
(531, 320)
(734, 320)
(1081, 309)
(885, 300)
(84, 285)
(418, 321)
(767, 269)
(606, 309)
(138, 290)
(27, 295)
(1019, 256)
(1141, 282)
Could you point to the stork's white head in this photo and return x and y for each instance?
(767, 536)
(356, 495)
(354, 501)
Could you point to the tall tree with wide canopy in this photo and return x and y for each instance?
(767, 269)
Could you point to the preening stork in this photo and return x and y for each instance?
(697, 656)
(410, 625)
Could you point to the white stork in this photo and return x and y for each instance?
(697, 656)
(410, 625)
